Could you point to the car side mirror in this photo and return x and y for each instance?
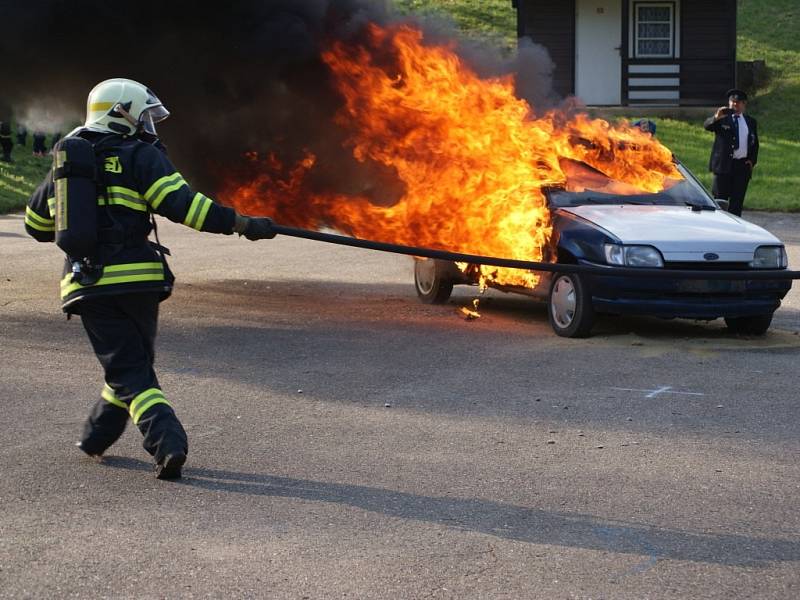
(722, 203)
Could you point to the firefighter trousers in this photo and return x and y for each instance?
(122, 331)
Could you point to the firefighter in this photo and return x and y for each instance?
(6, 141)
(114, 276)
(39, 148)
(22, 135)
(54, 140)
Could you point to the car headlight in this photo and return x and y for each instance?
(770, 257)
(633, 256)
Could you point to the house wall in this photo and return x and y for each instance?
(709, 43)
(552, 24)
(705, 66)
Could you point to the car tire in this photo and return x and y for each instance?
(757, 325)
(569, 308)
(431, 281)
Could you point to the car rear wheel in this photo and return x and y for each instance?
(431, 281)
(757, 325)
(570, 307)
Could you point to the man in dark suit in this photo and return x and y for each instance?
(735, 150)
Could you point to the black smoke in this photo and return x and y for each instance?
(237, 76)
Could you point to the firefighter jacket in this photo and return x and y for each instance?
(137, 179)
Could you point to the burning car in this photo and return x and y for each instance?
(434, 156)
(600, 222)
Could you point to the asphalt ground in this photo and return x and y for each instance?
(347, 441)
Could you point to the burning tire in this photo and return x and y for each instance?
(570, 307)
(757, 325)
(432, 280)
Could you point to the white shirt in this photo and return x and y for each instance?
(741, 151)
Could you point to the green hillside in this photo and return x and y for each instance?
(20, 178)
(767, 30)
(495, 19)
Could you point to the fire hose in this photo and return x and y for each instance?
(605, 271)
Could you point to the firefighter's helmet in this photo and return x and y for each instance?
(125, 107)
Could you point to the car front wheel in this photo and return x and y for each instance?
(570, 307)
(431, 281)
(757, 325)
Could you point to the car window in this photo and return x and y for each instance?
(586, 185)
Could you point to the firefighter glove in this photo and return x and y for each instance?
(258, 228)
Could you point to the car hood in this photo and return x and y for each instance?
(680, 233)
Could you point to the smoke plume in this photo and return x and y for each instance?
(240, 76)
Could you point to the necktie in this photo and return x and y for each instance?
(736, 132)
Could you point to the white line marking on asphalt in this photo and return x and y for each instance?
(655, 392)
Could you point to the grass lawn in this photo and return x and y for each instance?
(495, 19)
(776, 177)
(20, 178)
(767, 30)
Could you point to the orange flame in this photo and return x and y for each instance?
(472, 158)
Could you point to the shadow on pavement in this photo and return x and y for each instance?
(506, 521)
(430, 360)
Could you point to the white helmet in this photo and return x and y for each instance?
(123, 106)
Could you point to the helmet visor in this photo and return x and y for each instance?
(151, 116)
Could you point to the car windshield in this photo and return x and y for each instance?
(587, 185)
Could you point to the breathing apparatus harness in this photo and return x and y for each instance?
(87, 235)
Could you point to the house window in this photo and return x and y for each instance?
(654, 29)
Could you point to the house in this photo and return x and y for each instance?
(636, 52)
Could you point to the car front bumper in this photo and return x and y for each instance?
(685, 298)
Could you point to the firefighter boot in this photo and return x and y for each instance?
(104, 426)
(170, 467)
(165, 440)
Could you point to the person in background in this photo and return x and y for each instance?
(56, 136)
(735, 151)
(6, 142)
(39, 148)
(22, 135)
